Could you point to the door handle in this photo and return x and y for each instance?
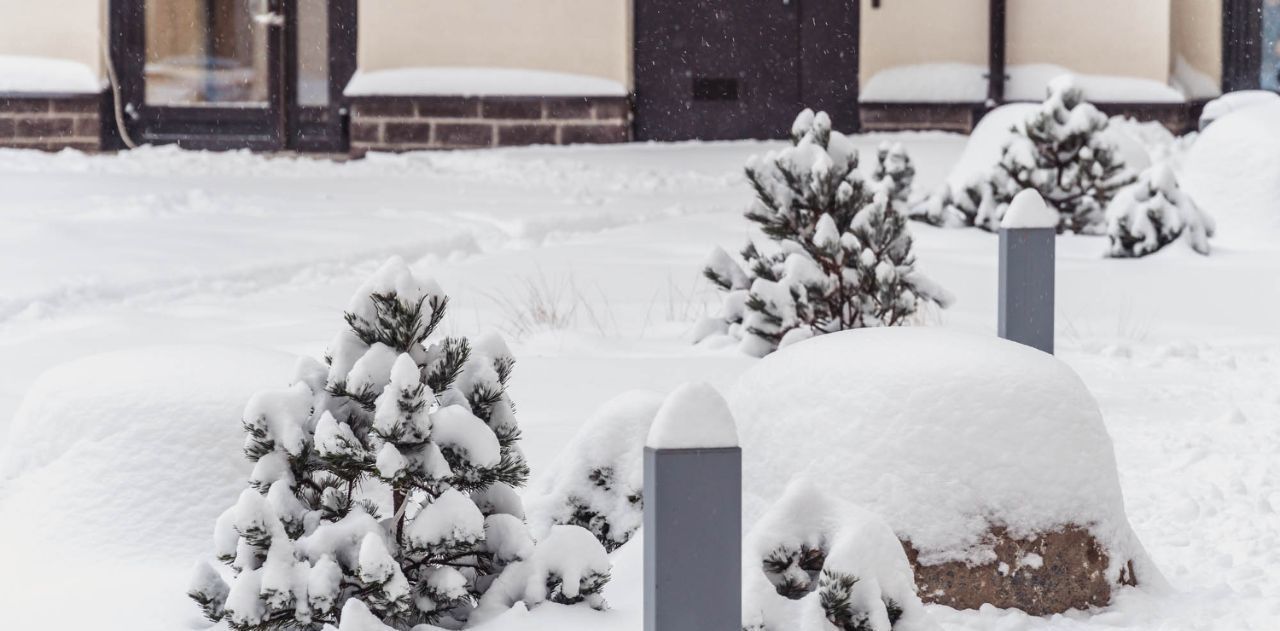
(269, 18)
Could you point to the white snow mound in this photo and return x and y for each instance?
(133, 453)
(942, 434)
(1233, 170)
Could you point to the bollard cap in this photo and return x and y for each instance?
(1028, 210)
(695, 416)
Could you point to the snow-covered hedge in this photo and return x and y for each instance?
(387, 476)
(836, 253)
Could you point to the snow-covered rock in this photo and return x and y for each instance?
(949, 437)
(134, 452)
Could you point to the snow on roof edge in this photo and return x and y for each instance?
(479, 81)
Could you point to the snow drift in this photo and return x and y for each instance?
(133, 453)
(1233, 169)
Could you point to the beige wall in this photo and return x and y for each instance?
(1196, 35)
(60, 29)
(904, 32)
(1112, 37)
(590, 37)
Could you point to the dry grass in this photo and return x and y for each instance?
(541, 303)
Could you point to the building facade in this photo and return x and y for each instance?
(362, 75)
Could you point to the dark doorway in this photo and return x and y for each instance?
(726, 69)
(225, 74)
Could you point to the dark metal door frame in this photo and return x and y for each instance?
(281, 124)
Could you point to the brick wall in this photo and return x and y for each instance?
(51, 123)
(397, 123)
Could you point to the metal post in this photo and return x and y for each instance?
(1027, 286)
(693, 539)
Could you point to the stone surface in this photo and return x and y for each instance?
(1047, 574)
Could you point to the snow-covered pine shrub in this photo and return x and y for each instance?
(386, 475)
(838, 252)
(598, 480)
(1061, 150)
(1154, 212)
(814, 561)
(894, 168)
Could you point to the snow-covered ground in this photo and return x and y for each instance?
(240, 256)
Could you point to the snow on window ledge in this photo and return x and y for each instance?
(456, 81)
(20, 74)
(967, 83)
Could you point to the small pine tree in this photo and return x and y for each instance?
(1153, 213)
(386, 477)
(839, 255)
(895, 170)
(1061, 152)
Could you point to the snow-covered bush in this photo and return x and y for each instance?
(829, 565)
(598, 480)
(1154, 212)
(837, 253)
(386, 475)
(1062, 150)
(895, 170)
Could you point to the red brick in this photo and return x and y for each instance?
(579, 108)
(448, 107)
(388, 106)
(41, 127)
(512, 108)
(362, 131)
(464, 135)
(509, 135)
(77, 105)
(605, 133)
(20, 105)
(407, 133)
(612, 109)
(88, 127)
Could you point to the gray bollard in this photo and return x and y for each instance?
(1028, 235)
(693, 516)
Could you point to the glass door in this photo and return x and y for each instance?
(204, 73)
